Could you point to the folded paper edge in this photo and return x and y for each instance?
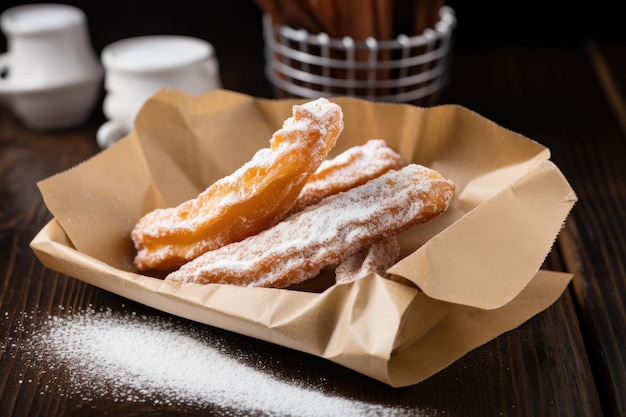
(329, 336)
(405, 366)
(455, 282)
(39, 246)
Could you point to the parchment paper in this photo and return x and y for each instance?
(468, 276)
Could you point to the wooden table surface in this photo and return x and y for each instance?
(568, 93)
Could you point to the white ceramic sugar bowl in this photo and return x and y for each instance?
(136, 68)
(51, 78)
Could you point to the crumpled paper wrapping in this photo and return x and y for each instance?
(466, 277)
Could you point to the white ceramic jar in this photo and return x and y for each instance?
(51, 77)
(136, 68)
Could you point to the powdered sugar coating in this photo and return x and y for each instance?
(349, 169)
(378, 258)
(299, 247)
(252, 198)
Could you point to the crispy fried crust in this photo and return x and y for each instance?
(300, 246)
(351, 168)
(253, 198)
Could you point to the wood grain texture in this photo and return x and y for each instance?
(566, 361)
(594, 241)
(560, 98)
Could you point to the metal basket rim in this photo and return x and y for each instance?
(442, 29)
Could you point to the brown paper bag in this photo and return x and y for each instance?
(477, 266)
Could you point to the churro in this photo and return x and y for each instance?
(349, 169)
(378, 258)
(251, 199)
(300, 246)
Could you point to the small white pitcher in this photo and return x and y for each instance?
(51, 78)
(136, 68)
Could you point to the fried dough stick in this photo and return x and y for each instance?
(351, 168)
(300, 246)
(251, 199)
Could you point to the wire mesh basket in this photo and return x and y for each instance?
(405, 69)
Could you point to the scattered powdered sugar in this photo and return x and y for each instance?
(349, 169)
(322, 235)
(122, 357)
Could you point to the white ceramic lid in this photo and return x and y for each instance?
(154, 53)
(39, 18)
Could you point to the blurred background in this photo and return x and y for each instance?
(234, 28)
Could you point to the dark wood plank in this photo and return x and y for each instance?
(498, 378)
(595, 241)
(555, 97)
(566, 361)
(535, 361)
(28, 290)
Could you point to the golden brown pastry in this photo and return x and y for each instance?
(251, 199)
(349, 169)
(325, 234)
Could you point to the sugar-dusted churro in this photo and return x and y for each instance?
(300, 246)
(251, 199)
(378, 257)
(351, 168)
